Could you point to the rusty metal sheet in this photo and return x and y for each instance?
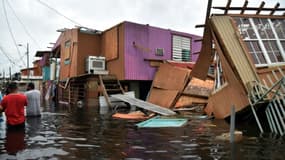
(170, 77)
(162, 97)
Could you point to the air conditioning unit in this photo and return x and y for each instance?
(94, 63)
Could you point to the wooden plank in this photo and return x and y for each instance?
(228, 6)
(244, 7)
(200, 25)
(249, 8)
(105, 94)
(204, 61)
(144, 105)
(273, 10)
(255, 16)
(260, 7)
(198, 40)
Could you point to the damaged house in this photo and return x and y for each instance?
(247, 46)
(132, 52)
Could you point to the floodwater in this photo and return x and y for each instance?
(82, 133)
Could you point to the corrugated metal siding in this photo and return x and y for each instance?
(178, 44)
(233, 50)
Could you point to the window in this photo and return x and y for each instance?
(67, 43)
(159, 52)
(67, 61)
(264, 38)
(181, 48)
(67, 48)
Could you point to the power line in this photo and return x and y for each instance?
(24, 27)
(10, 30)
(21, 58)
(6, 55)
(56, 11)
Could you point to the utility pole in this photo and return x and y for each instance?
(27, 52)
(28, 61)
(10, 74)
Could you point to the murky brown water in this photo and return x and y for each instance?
(84, 134)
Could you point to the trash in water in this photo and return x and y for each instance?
(158, 122)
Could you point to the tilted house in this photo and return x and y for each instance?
(249, 54)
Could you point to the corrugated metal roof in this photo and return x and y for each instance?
(233, 49)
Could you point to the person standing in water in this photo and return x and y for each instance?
(1, 114)
(34, 101)
(13, 105)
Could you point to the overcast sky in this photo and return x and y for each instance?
(42, 23)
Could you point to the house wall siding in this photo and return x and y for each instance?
(110, 43)
(68, 70)
(115, 50)
(88, 45)
(141, 42)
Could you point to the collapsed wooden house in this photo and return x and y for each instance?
(173, 84)
(248, 50)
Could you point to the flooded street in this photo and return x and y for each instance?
(63, 133)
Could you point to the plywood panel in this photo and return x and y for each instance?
(222, 101)
(116, 66)
(162, 97)
(204, 61)
(110, 43)
(233, 49)
(88, 45)
(170, 77)
(66, 70)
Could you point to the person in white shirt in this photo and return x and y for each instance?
(34, 101)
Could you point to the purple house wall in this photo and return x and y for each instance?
(141, 42)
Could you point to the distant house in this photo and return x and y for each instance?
(48, 65)
(132, 51)
(34, 72)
